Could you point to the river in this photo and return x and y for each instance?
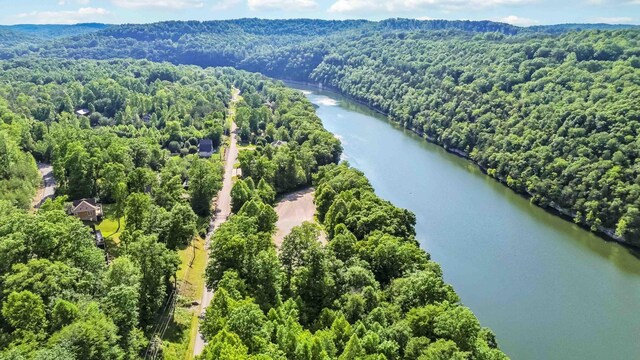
(547, 288)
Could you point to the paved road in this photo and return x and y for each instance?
(48, 188)
(222, 212)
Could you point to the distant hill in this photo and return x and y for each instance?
(308, 28)
(561, 28)
(54, 31)
(10, 38)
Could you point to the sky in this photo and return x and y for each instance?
(516, 12)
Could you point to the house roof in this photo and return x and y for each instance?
(82, 111)
(279, 143)
(91, 202)
(205, 146)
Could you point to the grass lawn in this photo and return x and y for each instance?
(246, 146)
(178, 342)
(108, 227)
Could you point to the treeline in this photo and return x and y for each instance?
(548, 111)
(370, 293)
(214, 43)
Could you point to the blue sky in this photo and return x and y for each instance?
(517, 12)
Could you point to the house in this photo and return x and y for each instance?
(83, 112)
(86, 209)
(278, 143)
(205, 148)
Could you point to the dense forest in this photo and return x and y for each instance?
(550, 111)
(139, 114)
(134, 150)
(371, 293)
(60, 298)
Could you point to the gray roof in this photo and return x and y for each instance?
(91, 201)
(205, 146)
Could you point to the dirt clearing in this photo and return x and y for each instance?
(293, 209)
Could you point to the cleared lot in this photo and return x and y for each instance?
(293, 209)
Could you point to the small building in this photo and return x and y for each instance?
(205, 148)
(86, 209)
(83, 112)
(278, 143)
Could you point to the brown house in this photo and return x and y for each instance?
(86, 209)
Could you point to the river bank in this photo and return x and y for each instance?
(606, 234)
(545, 286)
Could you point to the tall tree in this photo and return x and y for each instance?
(25, 311)
(157, 265)
(79, 172)
(137, 211)
(182, 226)
(204, 183)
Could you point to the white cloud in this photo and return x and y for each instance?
(226, 4)
(69, 2)
(518, 21)
(349, 6)
(613, 20)
(82, 15)
(614, 2)
(161, 4)
(282, 4)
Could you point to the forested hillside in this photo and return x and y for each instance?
(51, 31)
(371, 293)
(134, 150)
(549, 111)
(60, 298)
